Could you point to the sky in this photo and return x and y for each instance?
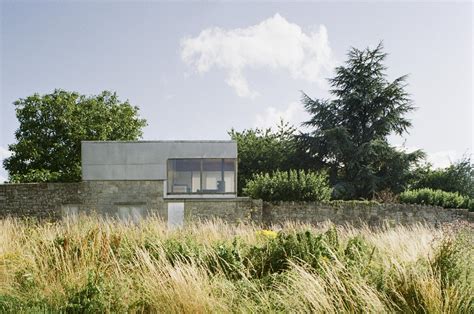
(198, 69)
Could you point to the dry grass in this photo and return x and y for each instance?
(97, 265)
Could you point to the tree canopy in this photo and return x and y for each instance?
(266, 150)
(52, 126)
(349, 132)
(458, 177)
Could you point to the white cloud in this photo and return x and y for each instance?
(274, 43)
(439, 159)
(294, 114)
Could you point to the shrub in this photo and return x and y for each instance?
(434, 197)
(89, 298)
(294, 185)
(275, 256)
(469, 204)
(226, 259)
(458, 177)
(183, 251)
(308, 248)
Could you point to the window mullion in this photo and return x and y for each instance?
(200, 179)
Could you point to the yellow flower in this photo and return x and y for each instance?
(267, 234)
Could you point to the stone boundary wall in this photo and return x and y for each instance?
(235, 210)
(48, 200)
(42, 200)
(358, 213)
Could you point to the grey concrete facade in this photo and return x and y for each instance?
(144, 160)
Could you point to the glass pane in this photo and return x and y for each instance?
(217, 176)
(184, 175)
(212, 176)
(229, 175)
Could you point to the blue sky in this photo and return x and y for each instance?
(198, 69)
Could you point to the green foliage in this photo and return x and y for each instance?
(350, 131)
(357, 251)
(265, 150)
(90, 298)
(227, 259)
(290, 185)
(458, 177)
(52, 126)
(9, 304)
(212, 267)
(306, 247)
(434, 197)
(185, 250)
(36, 175)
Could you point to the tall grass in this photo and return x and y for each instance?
(96, 265)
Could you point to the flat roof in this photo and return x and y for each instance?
(165, 141)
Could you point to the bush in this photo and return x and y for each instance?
(434, 197)
(308, 248)
(226, 259)
(294, 185)
(459, 177)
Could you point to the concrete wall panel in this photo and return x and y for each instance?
(145, 160)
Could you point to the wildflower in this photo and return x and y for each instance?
(270, 234)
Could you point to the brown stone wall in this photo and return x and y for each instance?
(234, 210)
(358, 213)
(46, 200)
(106, 196)
(42, 200)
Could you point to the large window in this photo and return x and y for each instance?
(201, 176)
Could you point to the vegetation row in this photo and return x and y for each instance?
(106, 266)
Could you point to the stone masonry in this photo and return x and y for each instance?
(358, 213)
(48, 200)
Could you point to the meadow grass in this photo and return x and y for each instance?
(97, 265)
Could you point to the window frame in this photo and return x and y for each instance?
(201, 160)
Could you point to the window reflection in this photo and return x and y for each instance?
(201, 176)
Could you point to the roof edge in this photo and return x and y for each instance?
(164, 141)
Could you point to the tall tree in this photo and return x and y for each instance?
(48, 140)
(350, 131)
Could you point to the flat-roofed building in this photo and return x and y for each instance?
(187, 168)
(171, 178)
(176, 180)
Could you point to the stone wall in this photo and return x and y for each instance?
(41, 200)
(50, 200)
(234, 210)
(107, 196)
(358, 213)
